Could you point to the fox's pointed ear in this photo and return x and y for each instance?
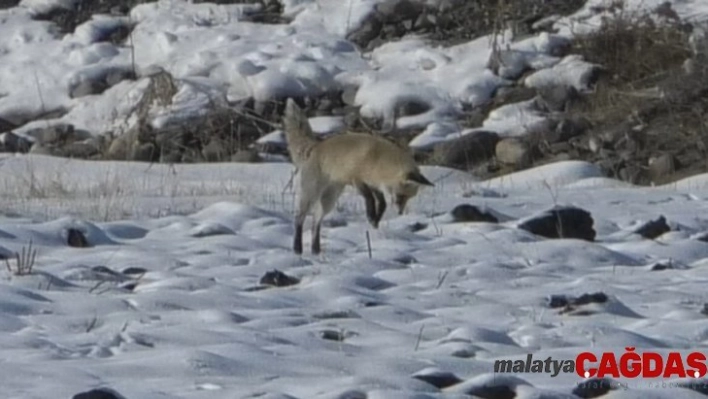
(417, 177)
(291, 106)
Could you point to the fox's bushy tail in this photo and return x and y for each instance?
(298, 133)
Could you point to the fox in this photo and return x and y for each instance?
(369, 163)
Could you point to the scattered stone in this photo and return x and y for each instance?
(557, 98)
(6, 126)
(367, 32)
(411, 107)
(513, 94)
(437, 378)
(336, 314)
(332, 335)
(86, 149)
(94, 85)
(87, 88)
(146, 152)
(214, 151)
(490, 386)
(469, 213)
(417, 226)
(14, 143)
(653, 228)
(246, 156)
(570, 127)
(399, 10)
(662, 265)
(594, 387)
(100, 393)
(562, 301)
(42, 149)
(76, 238)
(660, 167)
(60, 133)
(467, 151)
(562, 222)
(277, 278)
(513, 151)
(134, 271)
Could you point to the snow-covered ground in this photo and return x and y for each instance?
(166, 303)
(450, 296)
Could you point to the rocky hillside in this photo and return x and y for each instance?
(485, 86)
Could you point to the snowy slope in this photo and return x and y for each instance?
(166, 303)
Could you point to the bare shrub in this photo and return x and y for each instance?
(24, 261)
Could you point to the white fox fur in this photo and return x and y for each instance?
(367, 162)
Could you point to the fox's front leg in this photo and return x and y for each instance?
(370, 203)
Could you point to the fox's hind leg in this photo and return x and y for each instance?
(323, 207)
(311, 190)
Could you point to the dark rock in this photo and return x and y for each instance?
(466, 151)
(417, 226)
(107, 274)
(568, 128)
(562, 301)
(513, 151)
(88, 88)
(631, 173)
(332, 335)
(115, 76)
(508, 64)
(128, 285)
(277, 278)
(411, 107)
(80, 150)
(8, 4)
(438, 379)
(76, 238)
(246, 156)
(562, 222)
(399, 10)
(653, 228)
(470, 213)
(661, 167)
(557, 98)
(59, 133)
(702, 237)
(146, 152)
(597, 297)
(43, 149)
(100, 393)
(499, 386)
(661, 266)
(6, 126)
(558, 301)
(97, 84)
(349, 95)
(14, 143)
(594, 387)
(513, 94)
(425, 22)
(214, 151)
(492, 392)
(134, 270)
(368, 31)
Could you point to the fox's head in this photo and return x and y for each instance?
(408, 189)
